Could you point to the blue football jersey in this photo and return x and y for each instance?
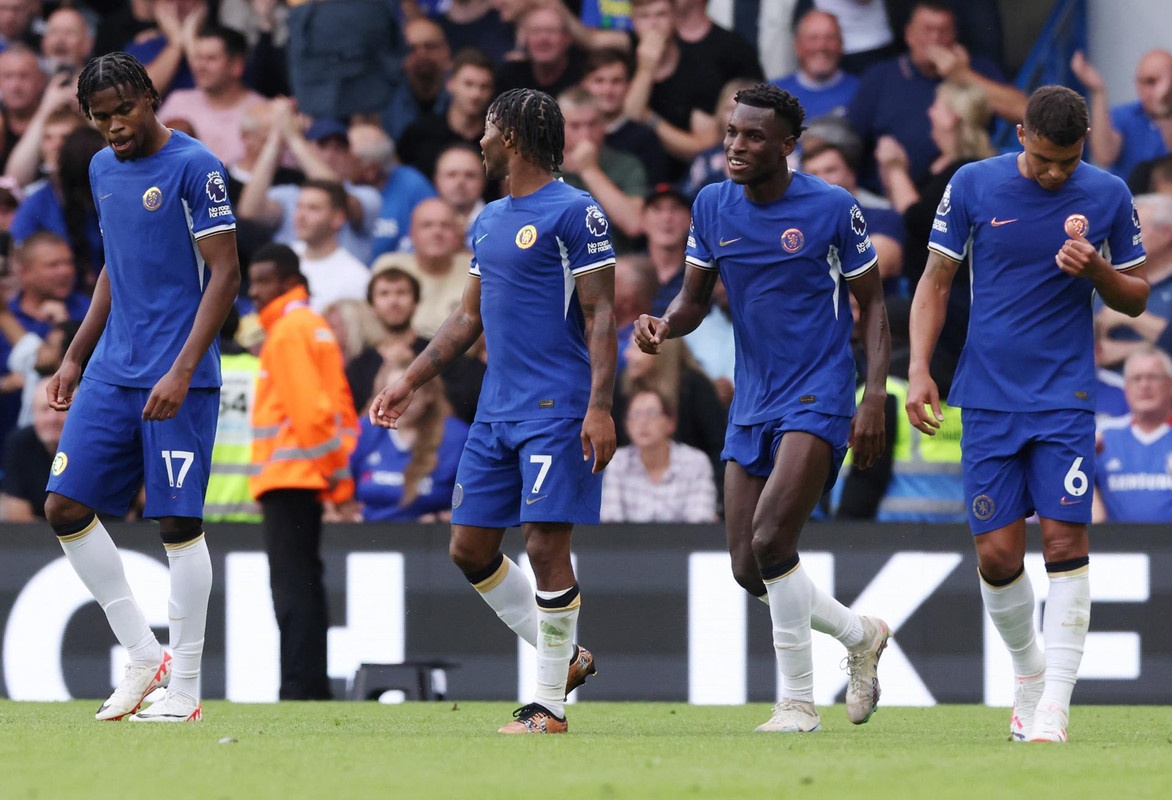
(1030, 345)
(527, 251)
(152, 211)
(784, 265)
(1133, 473)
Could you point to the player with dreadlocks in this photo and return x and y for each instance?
(541, 288)
(784, 243)
(145, 411)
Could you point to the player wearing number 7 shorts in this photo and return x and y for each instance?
(541, 288)
(1041, 231)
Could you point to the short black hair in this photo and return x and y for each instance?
(118, 70)
(604, 57)
(1057, 114)
(536, 122)
(235, 45)
(282, 256)
(785, 106)
(333, 189)
(392, 274)
(472, 57)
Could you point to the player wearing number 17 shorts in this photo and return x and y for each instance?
(144, 413)
(1041, 231)
(541, 288)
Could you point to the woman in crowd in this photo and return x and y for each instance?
(655, 479)
(359, 333)
(408, 473)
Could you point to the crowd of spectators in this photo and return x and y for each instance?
(350, 132)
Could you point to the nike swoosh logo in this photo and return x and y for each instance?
(1065, 502)
(997, 223)
(727, 242)
(531, 499)
(105, 196)
(480, 239)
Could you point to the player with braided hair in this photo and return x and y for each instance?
(542, 290)
(145, 411)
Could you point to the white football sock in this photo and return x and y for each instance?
(191, 584)
(1011, 608)
(1065, 622)
(95, 559)
(555, 646)
(790, 598)
(831, 617)
(510, 594)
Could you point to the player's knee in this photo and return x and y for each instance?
(999, 565)
(65, 515)
(748, 577)
(469, 557)
(180, 530)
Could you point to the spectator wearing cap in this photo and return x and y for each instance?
(819, 83)
(607, 78)
(322, 153)
(216, 104)
(614, 178)
(667, 216)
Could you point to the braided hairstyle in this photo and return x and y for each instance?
(785, 106)
(536, 122)
(118, 71)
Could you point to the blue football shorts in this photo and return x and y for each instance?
(1016, 463)
(107, 451)
(532, 471)
(754, 447)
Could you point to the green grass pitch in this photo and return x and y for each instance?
(340, 751)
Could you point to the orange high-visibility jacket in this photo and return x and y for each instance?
(304, 426)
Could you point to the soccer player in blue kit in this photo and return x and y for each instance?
(146, 408)
(542, 290)
(787, 247)
(1041, 231)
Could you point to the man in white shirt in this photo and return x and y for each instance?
(332, 271)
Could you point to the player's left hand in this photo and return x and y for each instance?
(1077, 258)
(166, 397)
(868, 430)
(598, 434)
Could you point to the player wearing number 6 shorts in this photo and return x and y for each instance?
(541, 288)
(1041, 231)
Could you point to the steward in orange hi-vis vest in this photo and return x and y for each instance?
(304, 425)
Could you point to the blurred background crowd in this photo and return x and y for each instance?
(350, 132)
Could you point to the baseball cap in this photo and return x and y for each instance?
(667, 190)
(327, 128)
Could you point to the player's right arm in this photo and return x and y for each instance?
(929, 307)
(685, 313)
(459, 332)
(64, 382)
